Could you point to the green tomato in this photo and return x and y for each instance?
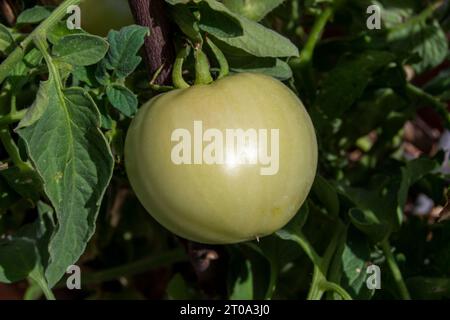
(100, 16)
(251, 9)
(199, 182)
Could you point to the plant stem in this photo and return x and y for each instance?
(18, 53)
(12, 149)
(315, 35)
(396, 273)
(417, 93)
(272, 280)
(44, 287)
(302, 66)
(12, 117)
(301, 240)
(321, 269)
(331, 286)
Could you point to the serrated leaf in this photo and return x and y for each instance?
(33, 15)
(76, 165)
(122, 99)
(428, 41)
(124, 45)
(80, 49)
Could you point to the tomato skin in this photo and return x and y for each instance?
(100, 16)
(220, 204)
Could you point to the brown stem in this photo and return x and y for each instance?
(158, 48)
(9, 11)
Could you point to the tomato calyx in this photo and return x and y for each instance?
(202, 66)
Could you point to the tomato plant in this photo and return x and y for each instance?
(294, 149)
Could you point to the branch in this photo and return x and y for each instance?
(158, 48)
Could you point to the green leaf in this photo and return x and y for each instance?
(124, 45)
(348, 80)
(80, 49)
(60, 30)
(243, 282)
(219, 23)
(75, 164)
(187, 22)
(269, 66)
(367, 222)
(122, 99)
(355, 260)
(18, 258)
(33, 15)
(39, 105)
(428, 41)
(252, 9)
(256, 39)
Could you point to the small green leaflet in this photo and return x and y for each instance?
(33, 15)
(122, 56)
(80, 49)
(122, 99)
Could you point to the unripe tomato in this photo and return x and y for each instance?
(100, 16)
(251, 9)
(234, 200)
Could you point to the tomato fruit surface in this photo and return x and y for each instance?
(229, 201)
(100, 16)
